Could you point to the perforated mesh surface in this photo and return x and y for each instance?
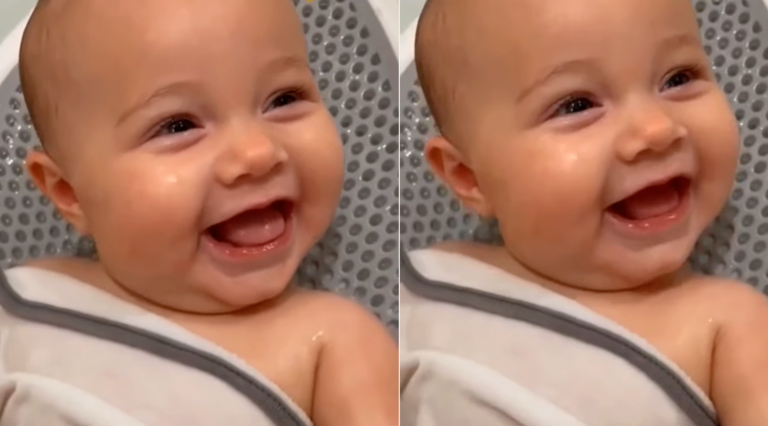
(356, 70)
(734, 34)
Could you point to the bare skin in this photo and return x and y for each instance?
(574, 108)
(189, 112)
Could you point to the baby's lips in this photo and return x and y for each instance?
(251, 228)
(622, 194)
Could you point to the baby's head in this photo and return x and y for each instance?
(593, 130)
(188, 138)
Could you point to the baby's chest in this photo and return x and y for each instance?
(681, 334)
(287, 358)
(164, 386)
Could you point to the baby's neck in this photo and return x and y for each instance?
(499, 257)
(93, 273)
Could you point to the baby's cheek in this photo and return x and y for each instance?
(151, 203)
(713, 132)
(322, 170)
(547, 205)
(316, 151)
(545, 183)
(716, 141)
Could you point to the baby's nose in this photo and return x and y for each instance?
(248, 155)
(649, 130)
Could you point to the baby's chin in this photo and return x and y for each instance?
(232, 294)
(632, 275)
(206, 293)
(617, 275)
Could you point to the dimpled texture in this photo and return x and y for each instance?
(735, 36)
(356, 70)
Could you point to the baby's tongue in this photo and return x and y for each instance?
(252, 228)
(651, 202)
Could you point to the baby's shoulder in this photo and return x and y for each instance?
(717, 288)
(332, 311)
(340, 324)
(357, 359)
(728, 301)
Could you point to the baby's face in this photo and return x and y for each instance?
(599, 137)
(181, 115)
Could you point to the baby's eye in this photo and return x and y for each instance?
(284, 99)
(574, 106)
(680, 78)
(175, 126)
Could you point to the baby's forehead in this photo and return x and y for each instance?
(109, 28)
(542, 28)
(473, 52)
(83, 52)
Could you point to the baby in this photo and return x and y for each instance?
(596, 133)
(189, 139)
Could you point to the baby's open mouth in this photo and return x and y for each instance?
(653, 201)
(254, 227)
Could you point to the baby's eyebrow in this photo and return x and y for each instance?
(666, 45)
(272, 66)
(175, 87)
(285, 63)
(677, 41)
(575, 65)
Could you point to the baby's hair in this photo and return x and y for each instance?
(40, 65)
(439, 51)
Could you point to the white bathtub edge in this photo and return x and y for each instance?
(388, 13)
(9, 48)
(408, 46)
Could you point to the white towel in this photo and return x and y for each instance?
(463, 321)
(72, 355)
(444, 390)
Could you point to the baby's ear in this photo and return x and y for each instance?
(49, 180)
(449, 164)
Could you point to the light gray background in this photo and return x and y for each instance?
(409, 11)
(11, 12)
